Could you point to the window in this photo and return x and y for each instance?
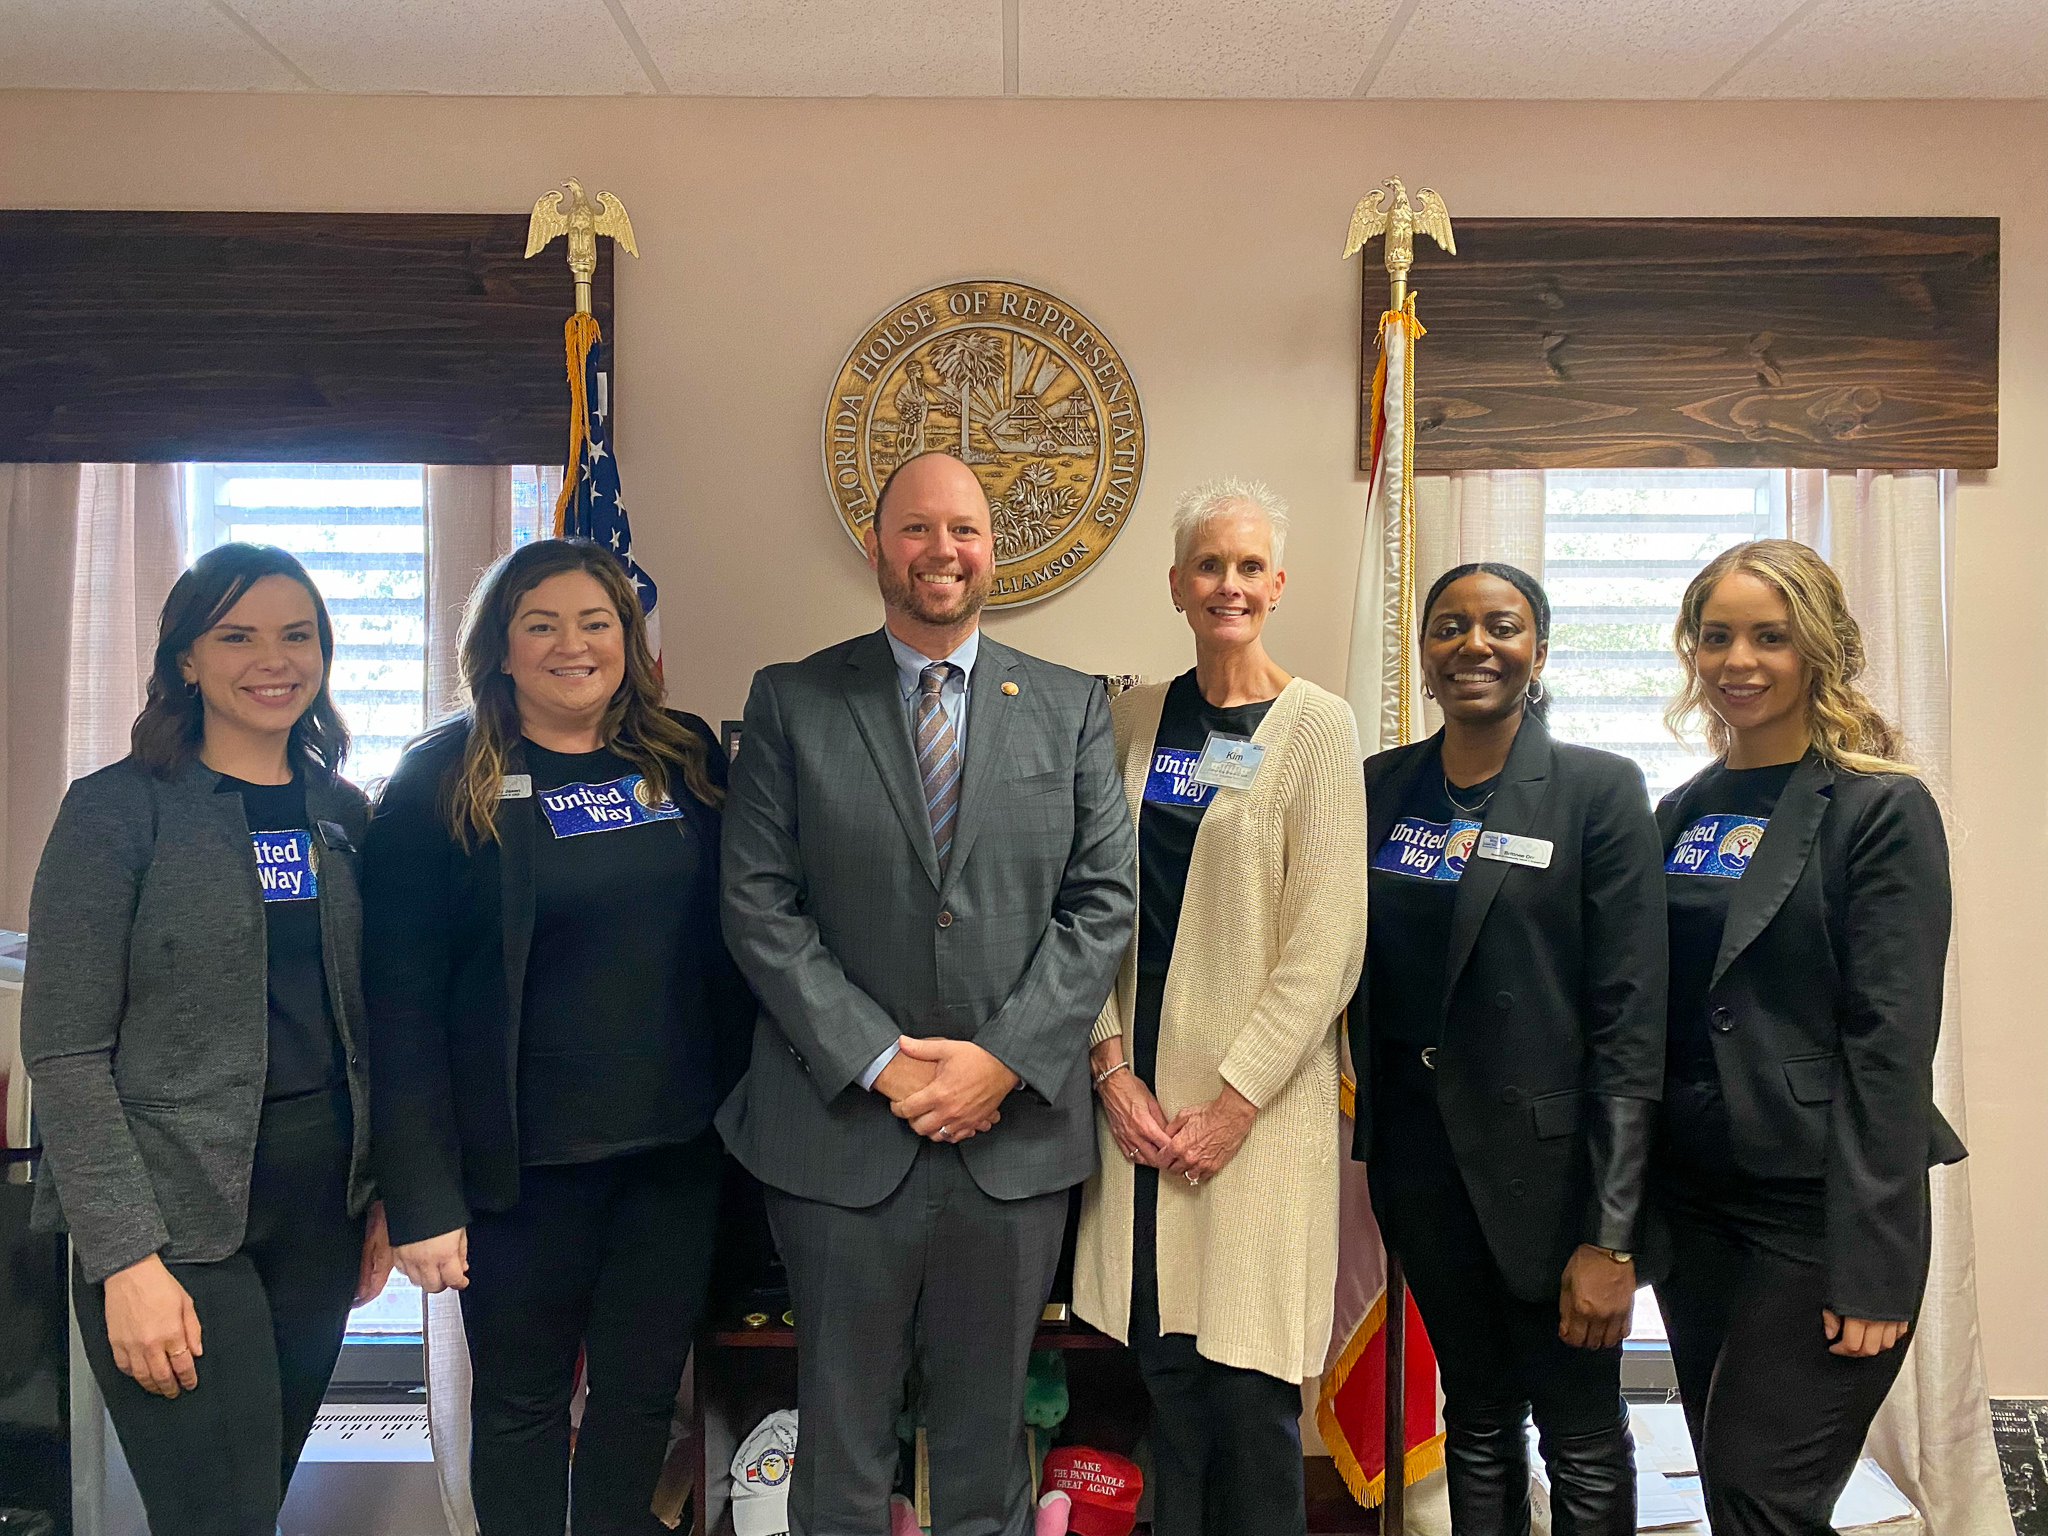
(358, 530)
(1619, 547)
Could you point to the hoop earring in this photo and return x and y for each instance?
(1428, 692)
(191, 690)
(1535, 693)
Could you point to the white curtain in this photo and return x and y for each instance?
(1470, 514)
(1887, 535)
(88, 553)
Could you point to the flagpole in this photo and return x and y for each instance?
(1393, 465)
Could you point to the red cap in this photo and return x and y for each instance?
(1103, 1485)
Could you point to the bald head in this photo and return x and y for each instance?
(931, 549)
(936, 482)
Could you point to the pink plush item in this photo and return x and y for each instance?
(903, 1517)
(1053, 1510)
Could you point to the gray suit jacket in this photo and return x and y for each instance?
(838, 916)
(145, 1014)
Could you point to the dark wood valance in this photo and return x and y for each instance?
(335, 337)
(1803, 343)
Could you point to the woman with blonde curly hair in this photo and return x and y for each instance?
(1807, 888)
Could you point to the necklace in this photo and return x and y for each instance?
(1470, 810)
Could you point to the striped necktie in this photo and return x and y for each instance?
(938, 757)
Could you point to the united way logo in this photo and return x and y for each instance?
(1738, 844)
(1719, 846)
(1463, 839)
(1428, 850)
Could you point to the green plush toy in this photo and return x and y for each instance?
(1045, 1390)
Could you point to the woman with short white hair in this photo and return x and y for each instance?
(1209, 1238)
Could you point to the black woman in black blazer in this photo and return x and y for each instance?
(1506, 1106)
(1790, 1176)
(554, 1021)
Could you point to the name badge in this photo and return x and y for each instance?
(1428, 850)
(516, 786)
(1721, 846)
(1509, 848)
(1171, 779)
(284, 865)
(576, 809)
(1229, 762)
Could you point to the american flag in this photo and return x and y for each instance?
(591, 506)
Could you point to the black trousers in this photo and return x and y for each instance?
(1499, 1357)
(1777, 1422)
(216, 1461)
(940, 1276)
(611, 1258)
(1226, 1442)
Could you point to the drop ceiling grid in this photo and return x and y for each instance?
(131, 45)
(452, 47)
(1167, 48)
(1889, 49)
(823, 47)
(1301, 49)
(1573, 49)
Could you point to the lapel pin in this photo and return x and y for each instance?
(1010, 689)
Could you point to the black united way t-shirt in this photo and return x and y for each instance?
(305, 1053)
(613, 1053)
(1172, 809)
(1412, 889)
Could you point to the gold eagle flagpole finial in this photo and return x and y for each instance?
(582, 223)
(1400, 223)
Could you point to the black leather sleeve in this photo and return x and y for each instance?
(1617, 1132)
(1622, 1003)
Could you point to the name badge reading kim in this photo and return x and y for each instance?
(1510, 848)
(575, 809)
(284, 865)
(1229, 762)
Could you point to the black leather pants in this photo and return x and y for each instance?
(1499, 1356)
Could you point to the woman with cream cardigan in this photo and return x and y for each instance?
(1209, 1237)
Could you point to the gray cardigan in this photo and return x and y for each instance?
(145, 1009)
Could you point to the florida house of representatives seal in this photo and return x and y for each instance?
(1021, 387)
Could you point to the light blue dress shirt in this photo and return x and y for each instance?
(953, 696)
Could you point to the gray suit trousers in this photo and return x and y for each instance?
(940, 1275)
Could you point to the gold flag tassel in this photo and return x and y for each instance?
(579, 335)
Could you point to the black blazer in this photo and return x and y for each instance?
(1824, 1008)
(446, 936)
(1552, 1060)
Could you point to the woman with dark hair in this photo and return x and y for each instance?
(1508, 1040)
(192, 1016)
(556, 1020)
(1807, 877)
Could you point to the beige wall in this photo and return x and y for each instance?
(1203, 238)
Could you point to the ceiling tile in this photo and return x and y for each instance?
(824, 47)
(1287, 48)
(453, 47)
(1899, 48)
(1559, 49)
(132, 45)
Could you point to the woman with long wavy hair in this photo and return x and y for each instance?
(1807, 887)
(555, 1019)
(193, 1016)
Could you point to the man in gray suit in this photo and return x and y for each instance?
(928, 880)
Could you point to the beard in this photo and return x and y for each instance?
(942, 607)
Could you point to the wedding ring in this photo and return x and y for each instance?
(180, 1350)
(942, 1133)
(1193, 1182)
